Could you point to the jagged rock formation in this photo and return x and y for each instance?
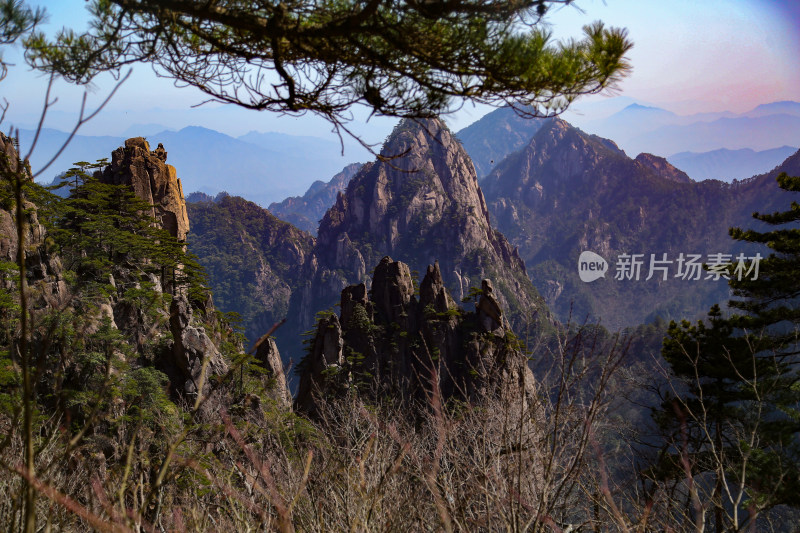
(389, 343)
(253, 261)
(153, 180)
(270, 359)
(42, 266)
(306, 211)
(191, 346)
(420, 202)
(568, 192)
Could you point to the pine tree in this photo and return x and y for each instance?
(102, 227)
(394, 57)
(734, 414)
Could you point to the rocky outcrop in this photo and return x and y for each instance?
(156, 182)
(43, 268)
(389, 344)
(153, 180)
(419, 202)
(270, 359)
(190, 349)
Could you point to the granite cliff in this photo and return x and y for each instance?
(419, 202)
(153, 180)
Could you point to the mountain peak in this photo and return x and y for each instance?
(639, 108)
(498, 134)
(419, 202)
(153, 180)
(417, 137)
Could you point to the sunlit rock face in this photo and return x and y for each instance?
(153, 181)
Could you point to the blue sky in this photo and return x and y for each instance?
(689, 56)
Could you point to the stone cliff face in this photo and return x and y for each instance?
(419, 202)
(153, 180)
(388, 342)
(156, 182)
(41, 265)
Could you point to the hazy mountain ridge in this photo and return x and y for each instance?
(727, 165)
(306, 211)
(639, 128)
(211, 161)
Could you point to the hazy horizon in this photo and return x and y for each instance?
(687, 58)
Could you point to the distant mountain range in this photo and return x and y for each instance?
(638, 128)
(264, 167)
(727, 165)
(723, 146)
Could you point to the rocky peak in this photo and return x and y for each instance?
(391, 345)
(662, 168)
(560, 161)
(392, 290)
(153, 180)
(420, 201)
(490, 314)
(270, 358)
(433, 292)
(498, 134)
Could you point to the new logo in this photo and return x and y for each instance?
(591, 266)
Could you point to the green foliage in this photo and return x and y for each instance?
(103, 230)
(397, 58)
(9, 386)
(739, 397)
(771, 298)
(243, 249)
(100, 226)
(473, 295)
(145, 392)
